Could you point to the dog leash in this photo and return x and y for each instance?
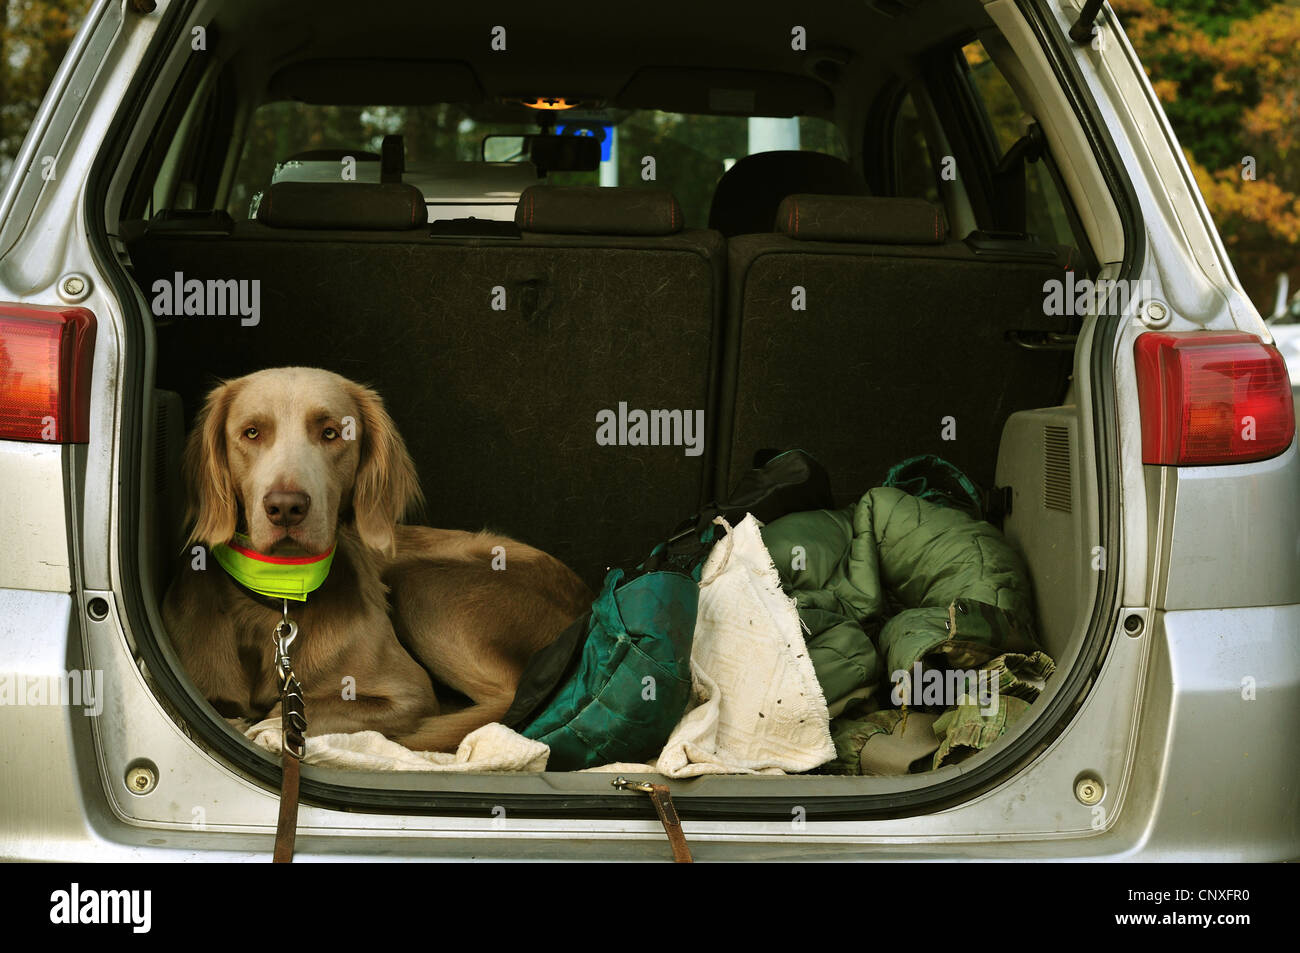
(662, 799)
(293, 746)
(293, 723)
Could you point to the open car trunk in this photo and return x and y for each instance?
(501, 409)
(504, 354)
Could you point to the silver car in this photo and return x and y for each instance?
(1127, 413)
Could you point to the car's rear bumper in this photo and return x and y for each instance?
(1205, 768)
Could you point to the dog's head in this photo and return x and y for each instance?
(287, 454)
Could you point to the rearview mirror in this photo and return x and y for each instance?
(549, 153)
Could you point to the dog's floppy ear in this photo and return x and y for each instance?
(213, 510)
(386, 485)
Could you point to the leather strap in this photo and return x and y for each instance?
(663, 802)
(662, 799)
(286, 828)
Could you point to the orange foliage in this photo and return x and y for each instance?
(1256, 64)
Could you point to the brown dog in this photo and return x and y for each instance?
(299, 460)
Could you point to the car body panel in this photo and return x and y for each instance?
(1174, 779)
(33, 518)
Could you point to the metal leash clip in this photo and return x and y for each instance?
(623, 784)
(293, 710)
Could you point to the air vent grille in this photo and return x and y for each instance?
(1056, 469)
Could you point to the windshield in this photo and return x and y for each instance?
(685, 153)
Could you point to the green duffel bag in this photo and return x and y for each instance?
(630, 680)
(614, 685)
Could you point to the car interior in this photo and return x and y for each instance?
(828, 227)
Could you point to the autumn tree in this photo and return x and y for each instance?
(34, 36)
(1228, 75)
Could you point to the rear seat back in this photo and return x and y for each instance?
(863, 334)
(498, 357)
(326, 205)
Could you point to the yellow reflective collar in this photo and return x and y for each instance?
(279, 577)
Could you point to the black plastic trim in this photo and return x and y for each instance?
(1081, 32)
(1105, 617)
(880, 139)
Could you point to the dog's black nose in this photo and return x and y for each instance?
(286, 508)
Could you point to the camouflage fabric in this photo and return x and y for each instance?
(965, 729)
(956, 733)
(1022, 676)
(893, 586)
(851, 732)
(883, 742)
(975, 633)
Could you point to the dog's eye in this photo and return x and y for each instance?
(251, 433)
(330, 433)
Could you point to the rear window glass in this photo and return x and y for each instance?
(686, 153)
(913, 172)
(1007, 121)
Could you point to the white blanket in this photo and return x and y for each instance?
(492, 748)
(756, 705)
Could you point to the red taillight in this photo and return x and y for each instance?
(1212, 397)
(45, 359)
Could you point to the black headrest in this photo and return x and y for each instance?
(593, 210)
(748, 194)
(342, 205)
(862, 218)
